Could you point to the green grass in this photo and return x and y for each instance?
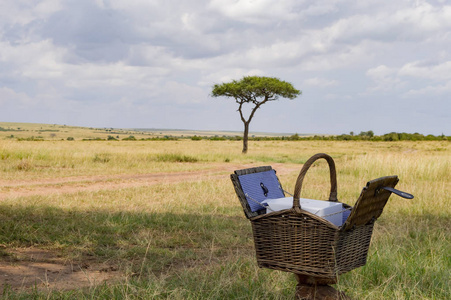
(409, 259)
(190, 240)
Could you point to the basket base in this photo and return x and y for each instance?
(317, 288)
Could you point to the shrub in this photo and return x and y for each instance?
(218, 138)
(175, 158)
(70, 138)
(130, 138)
(32, 138)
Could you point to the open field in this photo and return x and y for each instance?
(160, 219)
(57, 132)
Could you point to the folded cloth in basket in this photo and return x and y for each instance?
(331, 211)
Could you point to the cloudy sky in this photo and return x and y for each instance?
(361, 65)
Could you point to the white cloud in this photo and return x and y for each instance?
(385, 79)
(256, 11)
(319, 8)
(22, 12)
(183, 93)
(340, 97)
(19, 99)
(437, 76)
(381, 71)
(41, 59)
(441, 71)
(227, 75)
(320, 82)
(112, 75)
(430, 91)
(347, 56)
(400, 23)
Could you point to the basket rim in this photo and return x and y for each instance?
(296, 212)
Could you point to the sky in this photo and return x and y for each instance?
(361, 65)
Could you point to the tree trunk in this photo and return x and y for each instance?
(245, 137)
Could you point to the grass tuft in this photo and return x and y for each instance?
(171, 157)
(102, 158)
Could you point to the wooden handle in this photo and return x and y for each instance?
(307, 165)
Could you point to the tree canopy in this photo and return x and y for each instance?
(251, 88)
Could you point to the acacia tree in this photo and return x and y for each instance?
(254, 90)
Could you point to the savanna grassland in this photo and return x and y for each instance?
(160, 219)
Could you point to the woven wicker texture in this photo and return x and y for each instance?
(371, 202)
(297, 241)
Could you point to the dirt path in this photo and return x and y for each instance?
(48, 186)
(37, 268)
(28, 268)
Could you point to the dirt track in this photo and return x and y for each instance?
(118, 181)
(32, 267)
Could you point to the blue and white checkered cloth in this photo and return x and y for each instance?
(256, 185)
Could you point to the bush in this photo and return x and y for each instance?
(130, 138)
(38, 138)
(218, 138)
(70, 139)
(294, 137)
(175, 158)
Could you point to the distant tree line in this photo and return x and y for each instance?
(362, 136)
(392, 136)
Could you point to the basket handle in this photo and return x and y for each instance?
(307, 165)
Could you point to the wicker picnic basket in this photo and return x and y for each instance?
(294, 240)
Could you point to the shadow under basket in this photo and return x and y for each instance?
(297, 241)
